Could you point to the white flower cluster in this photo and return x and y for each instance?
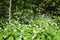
(12, 24)
(16, 21)
(26, 26)
(15, 30)
(5, 29)
(4, 36)
(34, 31)
(25, 38)
(0, 28)
(22, 31)
(34, 36)
(19, 25)
(20, 37)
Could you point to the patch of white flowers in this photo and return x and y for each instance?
(30, 25)
(40, 28)
(22, 31)
(16, 21)
(34, 24)
(5, 29)
(19, 24)
(57, 27)
(29, 21)
(34, 31)
(34, 36)
(26, 26)
(6, 22)
(20, 37)
(4, 36)
(25, 38)
(0, 28)
(37, 26)
(14, 30)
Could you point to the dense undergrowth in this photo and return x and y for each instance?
(29, 19)
(42, 27)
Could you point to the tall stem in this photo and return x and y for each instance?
(10, 4)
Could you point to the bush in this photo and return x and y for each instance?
(41, 28)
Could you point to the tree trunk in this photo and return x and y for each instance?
(10, 4)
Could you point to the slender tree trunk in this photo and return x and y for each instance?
(10, 11)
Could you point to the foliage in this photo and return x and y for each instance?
(30, 20)
(41, 28)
